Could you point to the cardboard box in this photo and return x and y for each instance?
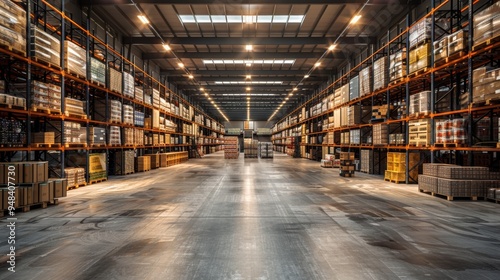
(60, 187)
(5, 198)
(57, 187)
(36, 193)
(51, 190)
(28, 173)
(28, 190)
(43, 194)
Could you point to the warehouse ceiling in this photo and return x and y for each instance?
(249, 60)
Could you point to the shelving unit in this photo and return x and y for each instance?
(93, 95)
(417, 85)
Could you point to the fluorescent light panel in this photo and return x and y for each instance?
(248, 82)
(249, 19)
(251, 94)
(257, 61)
(143, 19)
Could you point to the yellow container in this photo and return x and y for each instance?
(398, 177)
(387, 175)
(399, 157)
(399, 167)
(390, 166)
(390, 157)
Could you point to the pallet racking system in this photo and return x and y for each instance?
(107, 77)
(447, 79)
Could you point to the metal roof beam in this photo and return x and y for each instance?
(242, 55)
(233, 73)
(231, 2)
(355, 40)
(311, 79)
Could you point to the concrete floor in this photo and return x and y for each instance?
(278, 218)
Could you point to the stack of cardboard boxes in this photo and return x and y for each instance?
(31, 182)
(457, 181)
(347, 166)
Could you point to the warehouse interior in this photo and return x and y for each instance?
(323, 139)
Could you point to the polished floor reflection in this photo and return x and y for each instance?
(278, 218)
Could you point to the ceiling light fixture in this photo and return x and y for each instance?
(249, 47)
(143, 19)
(306, 76)
(182, 18)
(355, 19)
(249, 76)
(317, 64)
(202, 89)
(249, 64)
(248, 19)
(248, 88)
(295, 89)
(332, 47)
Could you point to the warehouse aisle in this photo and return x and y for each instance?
(278, 218)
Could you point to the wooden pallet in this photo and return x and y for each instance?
(55, 201)
(99, 84)
(12, 106)
(418, 72)
(114, 145)
(419, 115)
(27, 208)
(98, 180)
(45, 145)
(478, 104)
(11, 146)
(75, 115)
(426, 191)
(115, 121)
(455, 56)
(397, 81)
(74, 74)
(98, 145)
(13, 50)
(449, 145)
(397, 181)
(144, 170)
(45, 110)
(76, 186)
(46, 63)
(492, 101)
(449, 197)
(74, 145)
(419, 144)
(348, 175)
(486, 43)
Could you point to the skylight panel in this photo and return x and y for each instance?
(264, 19)
(280, 19)
(219, 19)
(295, 19)
(234, 19)
(203, 19)
(187, 18)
